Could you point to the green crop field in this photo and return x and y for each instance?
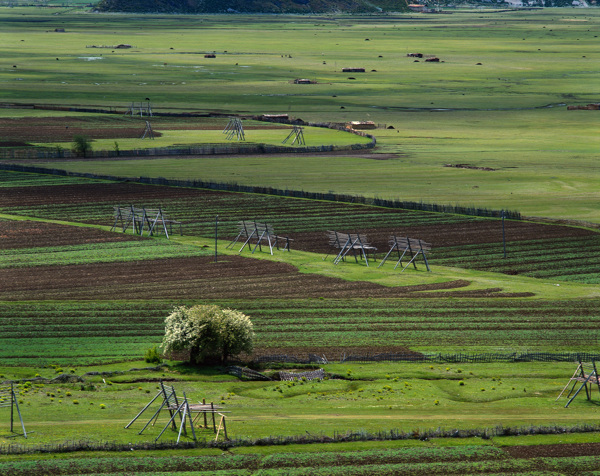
(487, 126)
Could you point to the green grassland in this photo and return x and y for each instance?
(314, 136)
(494, 115)
(356, 399)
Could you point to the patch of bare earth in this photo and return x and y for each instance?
(233, 277)
(33, 234)
(559, 450)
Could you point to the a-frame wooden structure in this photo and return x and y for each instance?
(403, 246)
(234, 128)
(141, 108)
(148, 132)
(297, 133)
(170, 402)
(585, 374)
(259, 232)
(181, 414)
(152, 220)
(346, 243)
(8, 398)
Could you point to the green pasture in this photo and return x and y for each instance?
(490, 115)
(524, 63)
(360, 397)
(314, 136)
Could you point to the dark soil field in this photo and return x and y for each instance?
(184, 203)
(31, 234)
(295, 313)
(534, 249)
(233, 277)
(22, 131)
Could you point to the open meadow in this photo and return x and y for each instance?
(496, 102)
(455, 370)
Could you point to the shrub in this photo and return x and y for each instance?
(152, 355)
(82, 145)
(208, 332)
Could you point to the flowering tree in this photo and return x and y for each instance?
(208, 332)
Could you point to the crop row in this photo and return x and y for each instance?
(97, 253)
(418, 461)
(199, 219)
(19, 179)
(95, 201)
(573, 259)
(94, 331)
(458, 241)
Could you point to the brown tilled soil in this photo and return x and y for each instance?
(233, 277)
(559, 450)
(20, 131)
(60, 129)
(440, 235)
(32, 234)
(452, 234)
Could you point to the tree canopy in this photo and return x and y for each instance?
(208, 332)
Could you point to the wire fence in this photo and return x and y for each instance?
(436, 357)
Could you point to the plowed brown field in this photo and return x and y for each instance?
(20, 131)
(233, 277)
(469, 232)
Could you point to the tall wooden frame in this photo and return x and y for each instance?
(585, 374)
(8, 398)
(349, 242)
(297, 134)
(260, 232)
(404, 245)
(234, 128)
(153, 220)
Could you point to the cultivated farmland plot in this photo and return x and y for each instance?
(54, 260)
(76, 298)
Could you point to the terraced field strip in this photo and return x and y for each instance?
(21, 179)
(111, 330)
(42, 333)
(574, 259)
(97, 253)
(458, 325)
(416, 460)
(197, 208)
(536, 250)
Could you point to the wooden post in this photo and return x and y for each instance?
(216, 235)
(12, 404)
(503, 235)
(205, 421)
(596, 372)
(212, 407)
(225, 427)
